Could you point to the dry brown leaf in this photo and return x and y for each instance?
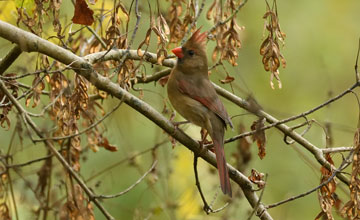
(259, 136)
(270, 49)
(351, 209)
(257, 178)
(77, 208)
(83, 14)
(228, 79)
(4, 212)
(326, 194)
(105, 144)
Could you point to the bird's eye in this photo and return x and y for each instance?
(191, 52)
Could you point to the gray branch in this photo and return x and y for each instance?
(32, 43)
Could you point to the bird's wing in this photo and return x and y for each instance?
(208, 97)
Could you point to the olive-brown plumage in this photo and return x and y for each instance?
(192, 94)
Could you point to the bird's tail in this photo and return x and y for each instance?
(221, 164)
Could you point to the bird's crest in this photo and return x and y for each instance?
(198, 38)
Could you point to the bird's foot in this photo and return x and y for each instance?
(203, 141)
(178, 123)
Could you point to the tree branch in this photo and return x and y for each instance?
(279, 124)
(130, 187)
(346, 162)
(283, 128)
(13, 54)
(207, 208)
(29, 42)
(27, 120)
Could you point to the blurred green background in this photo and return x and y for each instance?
(320, 50)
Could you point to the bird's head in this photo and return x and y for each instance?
(192, 55)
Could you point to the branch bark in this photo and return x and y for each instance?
(32, 43)
(279, 124)
(29, 42)
(9, 58)
(29, 121)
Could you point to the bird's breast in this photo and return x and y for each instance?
(187, 107)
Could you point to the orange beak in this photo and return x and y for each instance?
(178, 52)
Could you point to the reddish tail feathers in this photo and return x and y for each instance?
(223, 171)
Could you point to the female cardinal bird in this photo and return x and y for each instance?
(194, 97)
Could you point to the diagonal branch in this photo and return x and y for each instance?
(30, 122)
(13, 54)
(346, 162)
(130, 187)
(279, 124)
(29, 42)
(285, 129)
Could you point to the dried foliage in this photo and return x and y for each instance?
(351, 209)
(226, 34)
(270, 49)
(37, 87)
(257, 178)
(77, 207)
(326, 194)
(178, 27)
(35, 14)
(4, 212)
(259, 136)
(72, 104)
(83, 14)
(117, 37)
(4, 209)
(5, 103)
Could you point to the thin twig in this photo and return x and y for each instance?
(337, 149)
(28, 91)
(47, 106)
(132, 157)
(130, 187)
(28, 120)
(29, 162)
(356, 64)
(34, 73)
(283, 128)
(46, 208)
(10, 181)
(343, 165)
(12, 195)
(103, 44)
(83, 131)
(292, 118)
(207, 208)
(260, 197)
(22, 85)
(138, 16)
(228, 18)
(197, 15)
(155, 77)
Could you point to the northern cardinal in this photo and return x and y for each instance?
(192, 95)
